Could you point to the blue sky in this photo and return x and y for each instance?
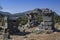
(16, 6)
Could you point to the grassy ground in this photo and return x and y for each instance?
(32, 36)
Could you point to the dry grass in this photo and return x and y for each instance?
(32, 36)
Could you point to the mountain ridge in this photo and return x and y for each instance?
(24, 13)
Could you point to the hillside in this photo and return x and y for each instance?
(37, 10)
(23, 14)
(5, 13)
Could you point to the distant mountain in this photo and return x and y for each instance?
(36, 10)
(27, 12)
(5, 13)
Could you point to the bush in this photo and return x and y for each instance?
(48, 31)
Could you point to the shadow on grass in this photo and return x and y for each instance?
(56, 30)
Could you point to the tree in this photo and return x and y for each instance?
(57, 19)
(23, 20)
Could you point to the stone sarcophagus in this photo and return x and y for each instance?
(48, 19)
(13, 24)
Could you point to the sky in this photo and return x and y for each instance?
(16, 6)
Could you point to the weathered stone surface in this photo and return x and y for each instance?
(5, 36)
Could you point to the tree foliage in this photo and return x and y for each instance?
(57, 19)
(24, 19)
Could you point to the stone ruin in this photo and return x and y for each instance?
(32, 19)
(46, 24)
(5, 33)
(48, 20)
(10, 26)
(13, 24)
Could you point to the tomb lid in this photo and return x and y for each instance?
(13, 18)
